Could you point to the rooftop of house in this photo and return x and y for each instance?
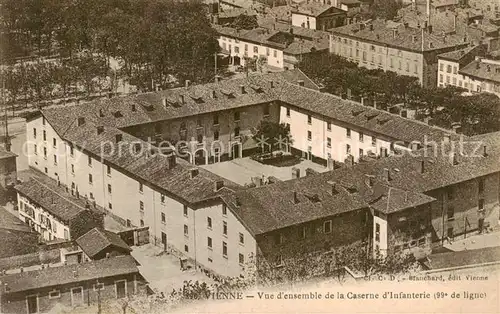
(459, 55)
(56, 276)
(315, 9)
(95, 241)
(462, 258)
(350, 3)
(242, 4)
(483, 69)
(58, 203)
(6, 154)
(443, 3)
(389, 185)
(17, 237)
(400, 36)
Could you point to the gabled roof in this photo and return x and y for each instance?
(5, 154)
(315, 9)
(483, 69)
(95, 241)
(75, 273)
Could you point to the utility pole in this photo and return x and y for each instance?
(7, 138)
(215, 59)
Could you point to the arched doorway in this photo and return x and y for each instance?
(200, 157)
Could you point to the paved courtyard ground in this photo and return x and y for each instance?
(162, 271)
(474, 241)
(241, 170)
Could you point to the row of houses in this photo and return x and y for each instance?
(220, 225)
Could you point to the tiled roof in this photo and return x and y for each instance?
(53, 201)
(17, 237)
(6, 154)
(10, 222)
(397, 35)
(350, 2)
(482, 69)
(95, 241)
(315, 9)
(441, 3)
(463, 258)
(388, 184)
(459, 55)
(237, 12)
(55, 276)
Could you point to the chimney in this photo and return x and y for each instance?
(333, 187)
(301, 82)
(181, 99)
(100, 129)
(81, 121)
(171, 161)
(271, 84)
(108, 255)
(187, 83)
(295, 198)
(414, 146)
(370, 180)
(118, 138)
(214, 94)
(485, 152)
(219, 184)
(194, 172)
(387, 174)
(242, 89)
(164, 102)
(454, 159)
(137, 148)
(422, 166)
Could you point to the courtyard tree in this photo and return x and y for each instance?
(271, 135)
(244, 21)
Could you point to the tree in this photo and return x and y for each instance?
(244, 21)
(271, 135)
(384, 9)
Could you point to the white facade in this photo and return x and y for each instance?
(302, 20)
(330, 139)
(139, 203)
(49, 226)
(243, 49)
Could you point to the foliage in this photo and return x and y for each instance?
(384, 9)
(244, 21)
(270, 134)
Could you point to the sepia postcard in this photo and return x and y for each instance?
(249, 156)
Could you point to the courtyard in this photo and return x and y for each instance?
(242, 170)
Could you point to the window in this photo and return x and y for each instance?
(186, 230)
(90, 179)
(224, 249)
(200, 138)
(183, 126)
(348, 133)
(216, 135)
(450, 212)
(441, 78)
(242, 238)
(255, 49)
(216, 119)
(163, 218)
(46, 170)
(224, 210)
(374, 141)
(54, 294)
(377, 232)
(267, 51)
(141, 187)
(303, 232)
(348, 149)
(275, 53)
(66, 234)
(108, 170)
(309, 119)
(309, 135)
(236, 49)
(328, 142)
(141, 206)
(480, 204)
(361, 152)
(98, 286)
(241, 259)
(109, 189)
(186, 248)
(327, 226)
(288, 112)
(34, 132)
(449, 193)
(32, 304)
(224, 228)
(158, 129)
(35, 148)
(45, 152)
(55, 159)
(246, 47)
(198, 123)
(91, 196)
(441, 67)
(236, 131)
(328, 126)
(162, 198)
(481, 185)
(209, 242)
(278, 238)
(54, 142)
(266, 110)
(110, 206)
(185, 210)
(361, 137)
(454, 70)
(209, 222)
(44, 135)
(90, 161)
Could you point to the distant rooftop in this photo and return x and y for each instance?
(5, 154)
(95, 241)
(316, 9)
(483, 69)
